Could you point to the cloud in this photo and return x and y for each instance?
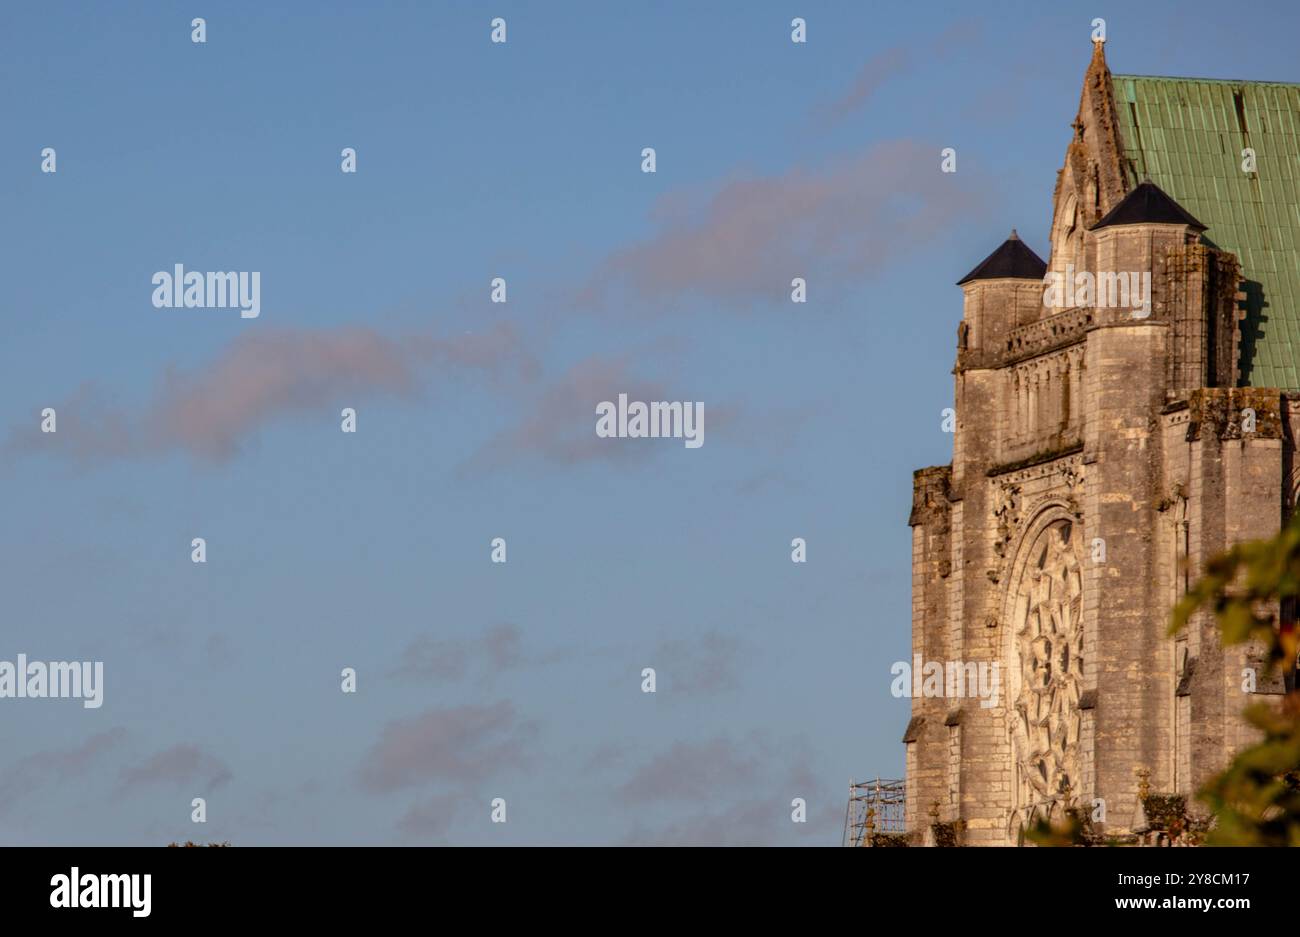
(690, 771)
(729, 792)
(461, 745)
(179, 766)
(41, 769)
(560, 427)
(431, 658)
(877, 71)
(696, 771)
(837, 224)
(259, 377)
(607, 755)
(749, 823)
(219, 650)
(762, 482)
(891, 63)
(501, 643)
(701, 666)
(430, 818)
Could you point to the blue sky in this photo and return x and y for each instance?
(475, 420)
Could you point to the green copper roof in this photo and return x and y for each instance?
(1186, 135)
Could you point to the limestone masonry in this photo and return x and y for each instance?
(1103, 452)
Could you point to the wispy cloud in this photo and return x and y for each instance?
(177, 766)
(559, 427)
(430, 818)
(748, 823)
(607, 755)
(727, 792)
(428, 657)
(762, 482)
(892, 63)
(42, 769)
(878, 70)
(690, 771)
(459, 745)
(261, 376)
(839, 223)
(700, 666)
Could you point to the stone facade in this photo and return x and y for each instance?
(1102, 453)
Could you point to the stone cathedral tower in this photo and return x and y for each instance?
(1107, 443)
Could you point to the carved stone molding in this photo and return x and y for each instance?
(1006, 511)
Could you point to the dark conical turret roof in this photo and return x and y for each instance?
(1013, 259)
(1148, 204)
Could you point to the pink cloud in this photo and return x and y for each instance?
(878, 70)
(752, 236)
(690, 771)
(702, 665)
(431, 818)
(560, 425)
(463, 744)
(259, 377)
(41, 769)
(178, 766)
(885, 66)
(429, 657)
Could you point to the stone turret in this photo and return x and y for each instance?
(1005, 290)
(1192, 286)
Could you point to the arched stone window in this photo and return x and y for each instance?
(1067, 236)
(1044, 662)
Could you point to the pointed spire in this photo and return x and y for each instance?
(1012, 260)
(1098, 60)
(1148, 204)
(1097, 146)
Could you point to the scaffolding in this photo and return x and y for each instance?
(875, 807)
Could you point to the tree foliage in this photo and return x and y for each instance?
(1256, 800)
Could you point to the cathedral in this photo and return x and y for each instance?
(1124, 411)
